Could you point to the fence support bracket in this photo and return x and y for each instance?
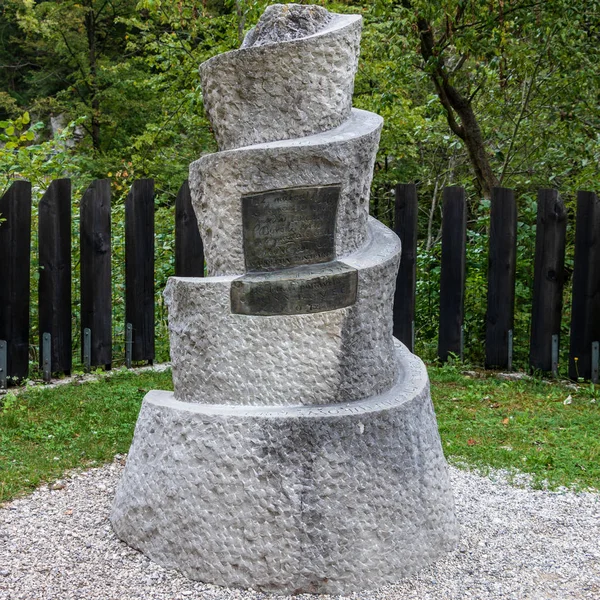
(87, 348)
(3, 365)
(510, 350)
(595, 362)
(555, 354)
(128, 344)
(47, 356)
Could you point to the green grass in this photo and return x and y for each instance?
(520, 425)
(484, 422)
(46, 431)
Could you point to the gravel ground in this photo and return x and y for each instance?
(516, 543)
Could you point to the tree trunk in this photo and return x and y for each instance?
(90, 25)
(457, 105)
(241, 20)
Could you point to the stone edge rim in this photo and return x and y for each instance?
(412, 381)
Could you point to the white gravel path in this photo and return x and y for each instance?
(516, 543)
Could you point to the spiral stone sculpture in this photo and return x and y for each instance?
(299, 451)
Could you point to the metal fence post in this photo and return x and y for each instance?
(87, 348)
(128, 344)
(47, 356)
(3, 365)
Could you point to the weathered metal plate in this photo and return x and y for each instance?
(300, 290)
(3, 364)
(289, 227)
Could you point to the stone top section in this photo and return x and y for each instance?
(285, 22)
(284, 82)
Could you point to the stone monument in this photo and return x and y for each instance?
(299, 451)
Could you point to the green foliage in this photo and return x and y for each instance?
(14, 135)
(530, 72)
(23, 155)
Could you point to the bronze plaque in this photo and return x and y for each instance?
(300, 290)
(289, 227)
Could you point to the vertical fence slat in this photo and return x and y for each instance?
(405, 225)
(548, 278)
(54, 241)
(96, 302)
(139, 267)
(453, 270)
(15, 256)
(585, 312)
(501, 277)
(189, 252)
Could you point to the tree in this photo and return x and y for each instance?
(73, 42)
(498, 70)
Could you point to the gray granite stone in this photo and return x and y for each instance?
(299, 451)
(283, 90)
(343, 156)
(319, 358)
(323, 499)
(285, 22)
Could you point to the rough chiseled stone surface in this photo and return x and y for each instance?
(283, 90)
(299, 451)
(319, 358)
(285, 22)
(325, 499)
(344, 156)
(368, 360)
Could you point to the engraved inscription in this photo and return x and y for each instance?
(289, 227)
(305, 289)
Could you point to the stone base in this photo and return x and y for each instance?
(289, 499)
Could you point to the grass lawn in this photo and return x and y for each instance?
(45, 431)
(541, 427)
(484, 422)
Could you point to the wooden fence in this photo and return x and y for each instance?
(55, 281)
(548, 279)
(55, 275)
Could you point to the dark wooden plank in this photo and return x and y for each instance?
(139, 267)
(405, 226)
(189, 251)
(15, 253)
(548, 277)
(585, 311)
(96, 303)
(453, 270)
(54, 299)
(502, 261)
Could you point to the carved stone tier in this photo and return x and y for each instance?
(343, 156)
(324, 499)
(324, 357)
(310, 84)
